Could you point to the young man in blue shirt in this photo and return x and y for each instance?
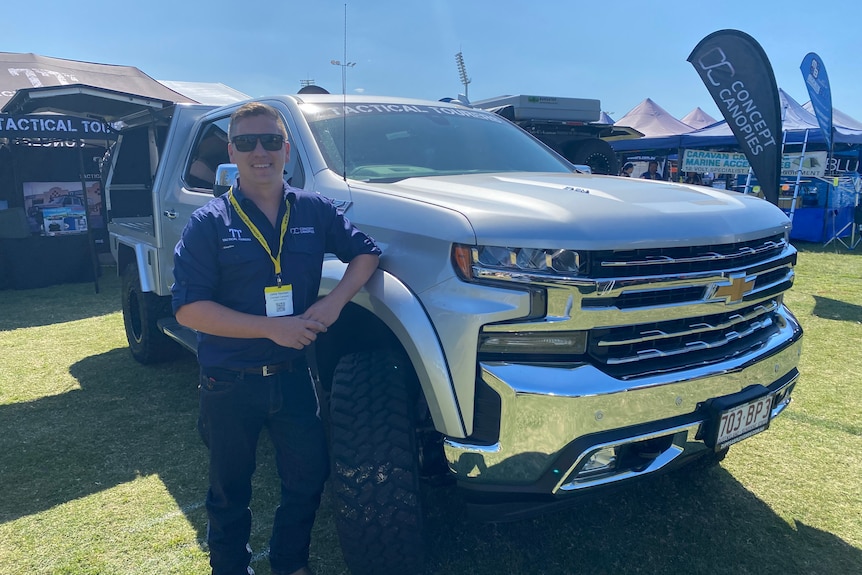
(247, 273)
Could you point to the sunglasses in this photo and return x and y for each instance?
(248, 142)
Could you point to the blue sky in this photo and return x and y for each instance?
(619, 52)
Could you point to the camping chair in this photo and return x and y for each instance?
(856, 236)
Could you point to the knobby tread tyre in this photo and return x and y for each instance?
(375, 464)
(595, 153)
(141, 312)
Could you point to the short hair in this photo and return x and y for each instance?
(250, 109)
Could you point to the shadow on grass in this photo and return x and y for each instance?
(828, 308)
(126, 421)
(698, 523)
(59, 303)
(129, 420)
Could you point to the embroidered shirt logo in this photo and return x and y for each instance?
(235, 236)
(303, 230)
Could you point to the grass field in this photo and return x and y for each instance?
(102, 471)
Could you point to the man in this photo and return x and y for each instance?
(652, 172)
(247, 273)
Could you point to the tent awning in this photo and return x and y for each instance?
(81, 100)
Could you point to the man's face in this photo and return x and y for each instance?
(259, 167)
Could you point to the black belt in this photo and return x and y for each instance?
(264, 370)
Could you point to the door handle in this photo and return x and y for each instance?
(170, 214)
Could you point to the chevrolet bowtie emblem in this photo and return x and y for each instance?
(735, 290)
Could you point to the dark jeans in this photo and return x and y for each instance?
(234, 408)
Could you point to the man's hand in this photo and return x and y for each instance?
(324, 311)
(296, 332)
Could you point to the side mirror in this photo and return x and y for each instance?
(226, 177)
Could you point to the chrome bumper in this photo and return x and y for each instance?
(546, 411)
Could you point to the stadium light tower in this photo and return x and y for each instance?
(462, 71)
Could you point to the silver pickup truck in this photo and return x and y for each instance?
(533, 332)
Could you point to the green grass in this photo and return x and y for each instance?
(102, 471)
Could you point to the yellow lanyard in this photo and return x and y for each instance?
(276, 260)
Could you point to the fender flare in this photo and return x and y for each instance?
(142, 254)
(391, 301)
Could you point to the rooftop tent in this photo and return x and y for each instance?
(653, 121)
(698, 119)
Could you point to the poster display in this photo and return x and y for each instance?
(57, 208)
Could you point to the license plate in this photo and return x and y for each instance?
(743, 421)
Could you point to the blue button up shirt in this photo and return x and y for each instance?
(218, 259)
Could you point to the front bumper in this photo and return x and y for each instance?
(553, 418)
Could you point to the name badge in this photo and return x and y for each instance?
(279, 300)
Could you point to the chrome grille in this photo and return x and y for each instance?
(682, 260)
(664, 345)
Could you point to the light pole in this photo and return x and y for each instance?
(344, 68)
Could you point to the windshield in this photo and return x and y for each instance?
(390, 142)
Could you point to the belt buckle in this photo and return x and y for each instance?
(266, 371)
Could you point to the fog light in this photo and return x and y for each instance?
(601, 461)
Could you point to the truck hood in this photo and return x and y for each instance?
(586, 211)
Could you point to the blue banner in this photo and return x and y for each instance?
(817, 82)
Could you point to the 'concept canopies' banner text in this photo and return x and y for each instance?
(817, 83)
(812, 164)
(740, 79)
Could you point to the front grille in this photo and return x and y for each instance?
(670, 344)
(634, 300)
(682, 260)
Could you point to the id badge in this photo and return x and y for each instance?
(279, 300)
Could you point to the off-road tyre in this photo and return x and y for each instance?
(703, 463)
(711, 459)
(595, 153)
(141, 311)
(375, 471)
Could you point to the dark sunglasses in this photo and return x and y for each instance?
(248, 142)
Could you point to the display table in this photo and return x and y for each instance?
(40, 261)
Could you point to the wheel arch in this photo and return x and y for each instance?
(128, 252)
(386, 313)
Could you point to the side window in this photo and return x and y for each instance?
(209, 151)
(293, 172)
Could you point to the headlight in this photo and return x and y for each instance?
(566, 343)
(514, 264)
